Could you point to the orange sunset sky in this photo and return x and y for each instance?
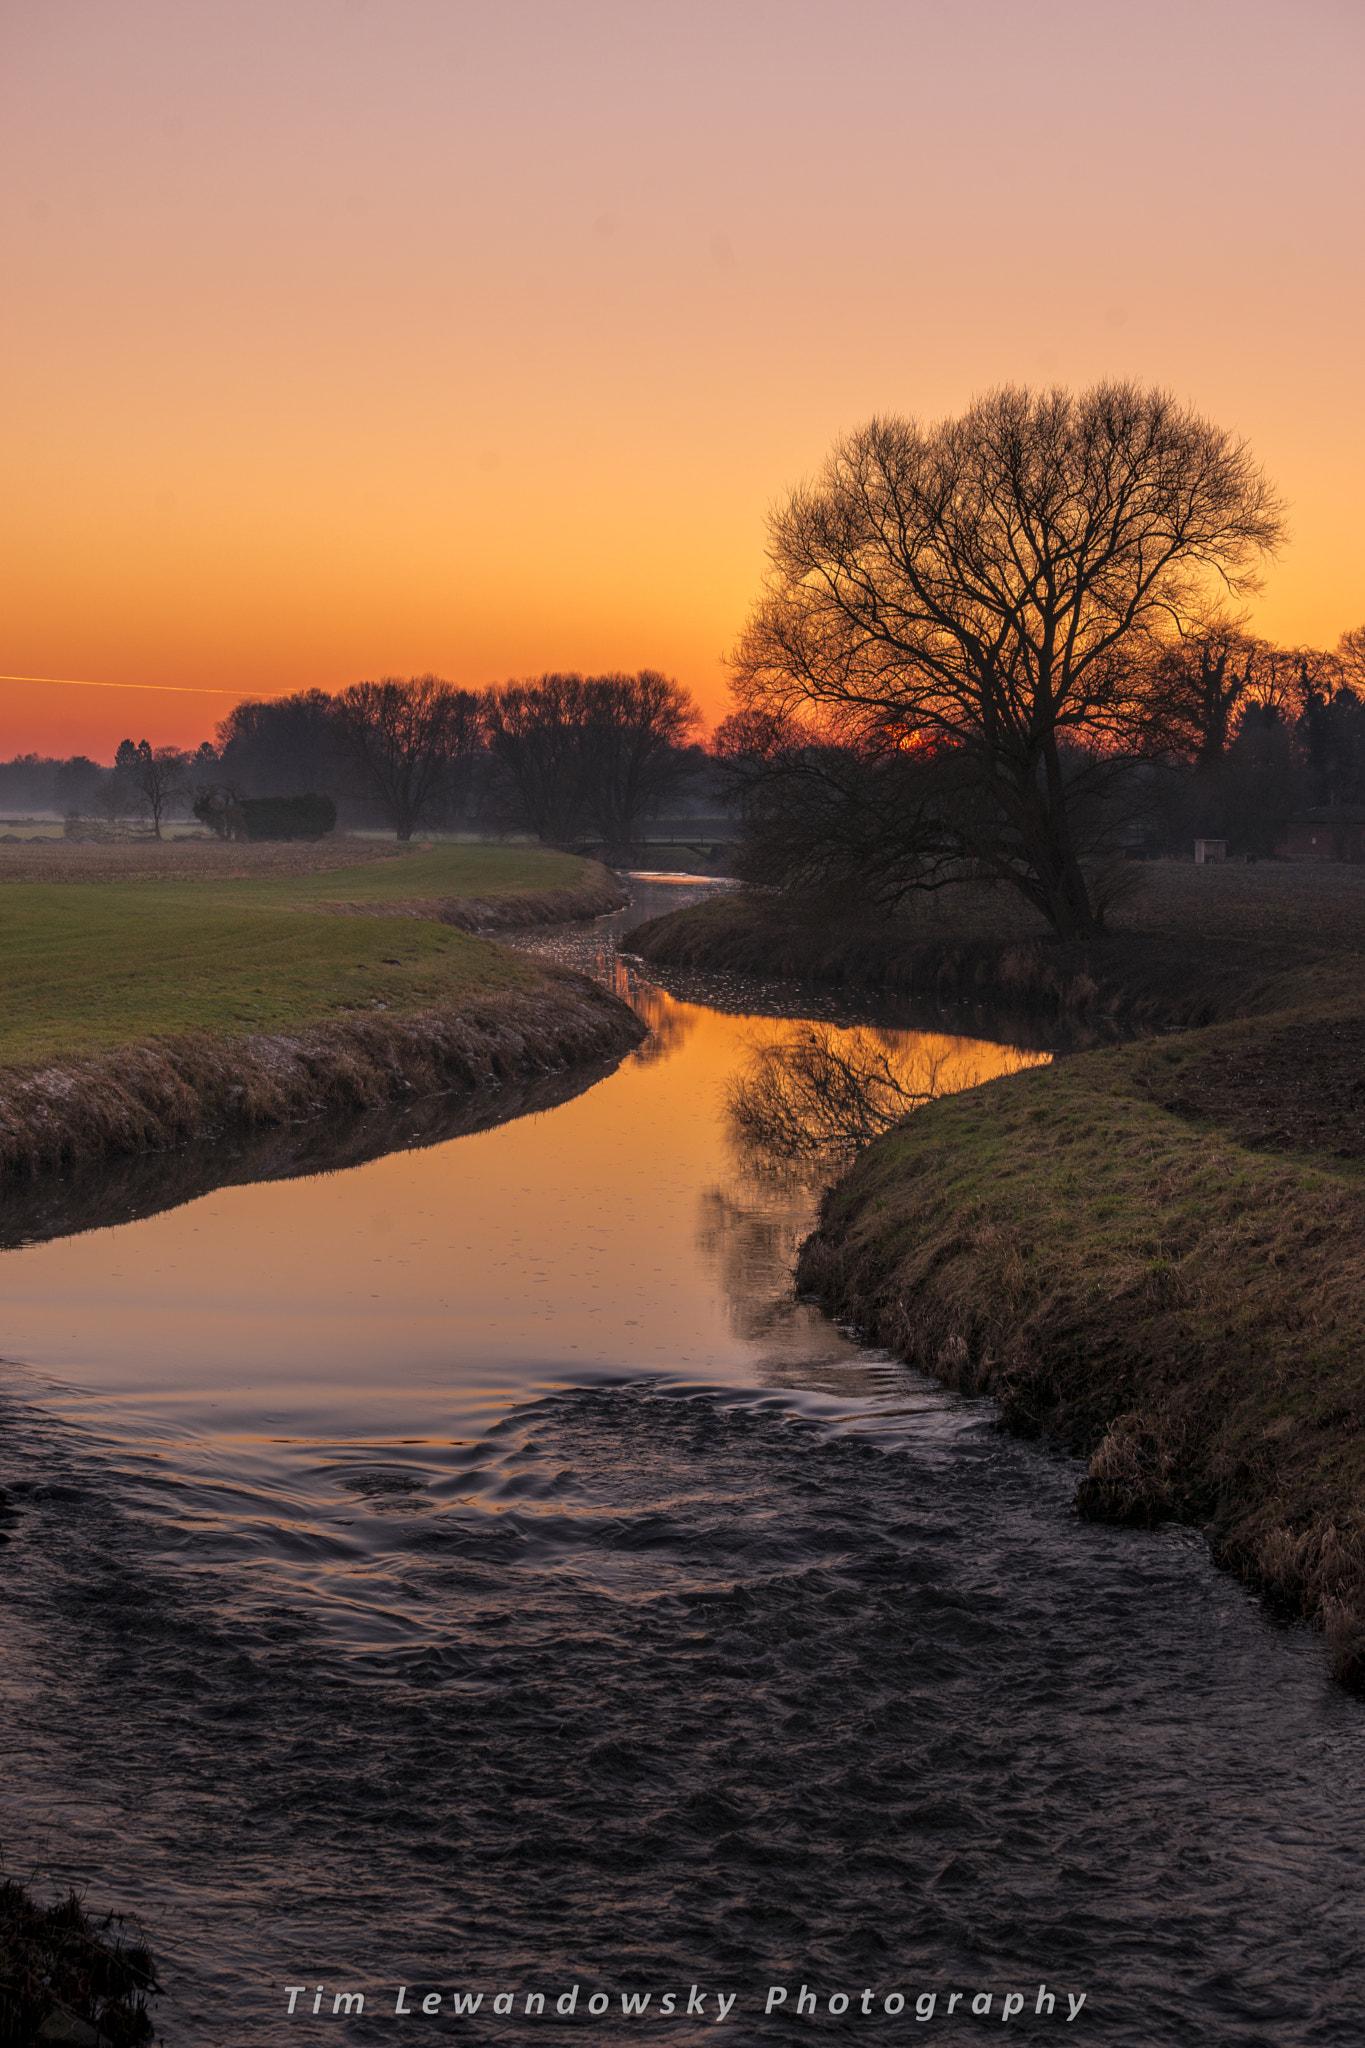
(349, 337)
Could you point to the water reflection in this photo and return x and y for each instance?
(147, 1183)
(816, 1093)
(261, 1296)
(670, 1023)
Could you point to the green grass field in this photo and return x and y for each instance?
(427, 875)
(86, 965)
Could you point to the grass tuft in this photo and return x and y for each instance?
(67, 1977)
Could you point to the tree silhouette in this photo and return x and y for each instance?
(406, 739)
(996, 586)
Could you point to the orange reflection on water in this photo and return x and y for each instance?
(415, 1294)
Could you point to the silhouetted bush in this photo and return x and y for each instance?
(264, 817)
(287, 817)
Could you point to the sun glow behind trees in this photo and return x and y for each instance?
(355, 341)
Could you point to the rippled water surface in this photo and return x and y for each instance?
(474, 1571)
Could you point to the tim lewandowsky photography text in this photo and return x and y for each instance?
(780, 2000)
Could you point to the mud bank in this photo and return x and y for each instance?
(172, 1091)
(1175, 1296)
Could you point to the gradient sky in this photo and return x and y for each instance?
(347, 337)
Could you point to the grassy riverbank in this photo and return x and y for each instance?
(1155, 1252)
(108, 953)
(146, 995)
(1190, 944)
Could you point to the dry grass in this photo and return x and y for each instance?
(597, 894)
(1292, 902)
(1188, 1312)
(387, 871)
(153, 1096)
(185, 860)
(58, 1965)
(1193, 944)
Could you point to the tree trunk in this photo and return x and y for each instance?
(1067, 900)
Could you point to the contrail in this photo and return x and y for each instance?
(84, 683)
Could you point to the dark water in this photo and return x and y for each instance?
(603, 1617)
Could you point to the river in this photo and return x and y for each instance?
(473, 1571)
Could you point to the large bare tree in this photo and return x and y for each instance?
(996, 585)
(407, 738)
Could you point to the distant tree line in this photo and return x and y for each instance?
(149, 782)
(1249, 734)
(571, 759)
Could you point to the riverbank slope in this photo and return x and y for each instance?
(1156, 1253)
(1189, 946)
(146, 1006)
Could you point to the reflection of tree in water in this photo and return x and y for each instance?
(818, 1094)
(804, 1104)
(748, 1235)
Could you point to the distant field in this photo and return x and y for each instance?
(100, 955)
(1307, 902)
(1295, 904)
(420, 870)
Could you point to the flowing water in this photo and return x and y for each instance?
(473, 1571)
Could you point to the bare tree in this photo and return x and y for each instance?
(584, 754)
(997, 584)
(535, 735)
(637, 727)
(849, 821)
(1202, 683)
(406, 740)
(153, 777)
(1351, 655)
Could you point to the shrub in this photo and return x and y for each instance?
(287, 817)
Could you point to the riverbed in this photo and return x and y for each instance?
(474, 1571)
